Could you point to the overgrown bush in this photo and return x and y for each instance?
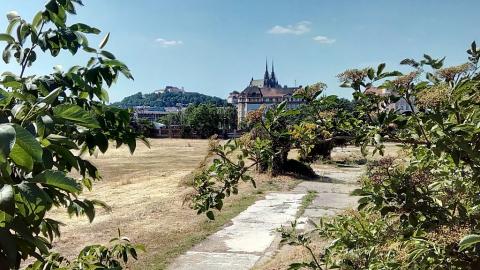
(421, 212)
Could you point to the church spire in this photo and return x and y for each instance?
(273, 78)
(266, 77)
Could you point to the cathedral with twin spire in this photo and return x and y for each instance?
(270, 80)
(266, 92)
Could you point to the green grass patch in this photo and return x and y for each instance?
(306, 201)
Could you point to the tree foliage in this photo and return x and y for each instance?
(168, 99)
(421, 212)
(47, 125)
(203, 120)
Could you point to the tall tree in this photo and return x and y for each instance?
(204, 119)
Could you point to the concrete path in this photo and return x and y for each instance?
(252, 239)
(240, 245)
(333, 191)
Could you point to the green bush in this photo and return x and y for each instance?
(422, 212)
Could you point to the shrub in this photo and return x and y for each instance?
(421, 213)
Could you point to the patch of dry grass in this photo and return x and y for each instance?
(352, 154)
(146, 197)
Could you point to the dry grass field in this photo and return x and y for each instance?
(146, 197)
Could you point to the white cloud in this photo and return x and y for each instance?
(324, 40)
(168, 43)
(296, 29)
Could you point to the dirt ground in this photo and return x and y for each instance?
(147, 202)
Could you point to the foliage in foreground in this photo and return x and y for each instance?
(47, 124)
(421, 212)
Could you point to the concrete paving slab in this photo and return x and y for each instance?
(344, 176)
(316, 213)
(334, 200)
(321, 187)
(214, 261)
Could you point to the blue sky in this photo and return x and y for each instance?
(216, 46)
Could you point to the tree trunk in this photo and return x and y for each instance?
(279, 158)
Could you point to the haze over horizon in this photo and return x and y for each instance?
(214, 47)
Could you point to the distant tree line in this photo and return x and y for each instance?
(168, 99)
(203, 120)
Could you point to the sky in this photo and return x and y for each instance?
(217, 46)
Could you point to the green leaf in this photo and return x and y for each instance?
(21, 158)
(6, 54)
(62, 140)
(80, 27)
(132, 144)
(75, 114)
(104, 41)
(210, 215)
(28, 143)
(6, 37)
(108, 54)
(103, 95)
(7, 137)
(11, 25)
(113, 63)
(52, 96)
(37, 19)
(34, 195)
(89, 50)
(65, 153)
(5, 98)
(26, 149)
(101, 141)
(7, 203)
(371, 73)
(469, 241)
(58, 179)
(380, 69)
(8, 246)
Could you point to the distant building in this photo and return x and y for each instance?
(153, 114)
(170, 89)
(266, 91)
(233, 97)
(401, 106)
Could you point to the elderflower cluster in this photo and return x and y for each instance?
(311, 91)
(327, 114)
(255, 116)
(449, 73)
(406, 80)
(433, 97)
(352, 75)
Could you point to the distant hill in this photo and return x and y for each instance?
(168, 99)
